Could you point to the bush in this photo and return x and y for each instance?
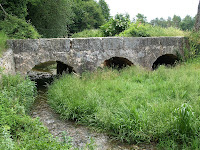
(17, 28)
(159, 31)
(116, 25)
(88, 33)
(194, 43)
(145, 30)
(136, 30)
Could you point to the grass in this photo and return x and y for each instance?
(17, 129)
(3, 39)
(135, 105)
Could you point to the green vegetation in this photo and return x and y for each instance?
(3, 39)
(145, 30)
(185, 24)
(116, 25)
(17, 28)
(87, 15)
(135, 105)
(52, 17)
(88, 33)
(18, 130)
(17, 8)
(105, 9)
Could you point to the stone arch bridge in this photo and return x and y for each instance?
(82, 54)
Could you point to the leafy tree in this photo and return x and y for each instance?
(15, 7)
(141, 18)
(88, 15)
(105, 9)
(116, 25)
(17, 28)
(159, 22)
(176, 21)
(187, 23)
(169, 22)
(51, 18)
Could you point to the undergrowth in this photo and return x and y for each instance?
(135, 105)
(17, 129)
(146, 30)
(88, 33)
(3, 39)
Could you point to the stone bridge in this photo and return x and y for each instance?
(83, 54)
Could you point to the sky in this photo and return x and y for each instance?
(154, 8)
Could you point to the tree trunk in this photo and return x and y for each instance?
(197, 24)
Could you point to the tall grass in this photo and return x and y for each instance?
(135, 105)
(17, 129)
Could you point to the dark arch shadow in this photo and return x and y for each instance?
(45, 73)
(63, 68)
(117, 63)
(167, 60)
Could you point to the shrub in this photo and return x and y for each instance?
(17, 28)
(136, 30)
(145, 30)
(116, 25)
(194, 43)
(159, 31)
(88, 33)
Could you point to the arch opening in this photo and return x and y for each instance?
(44, 73)
(63, 68)
(117, 63)
(167, 60)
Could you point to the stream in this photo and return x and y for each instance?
(80, 136)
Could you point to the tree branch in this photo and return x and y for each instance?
(3, 10)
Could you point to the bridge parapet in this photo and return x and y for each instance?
(89, 53)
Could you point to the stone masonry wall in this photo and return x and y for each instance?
(89, 53)
(7, 62)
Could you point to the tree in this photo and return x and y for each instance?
(105, 9)
(197, 22)
(159, 22)
(169, 22)
(187, 23)
(141, 18)
(88, 15)
(51, 18)
(15, 7)
(176, 21)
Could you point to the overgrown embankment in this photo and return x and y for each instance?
(17, 129)
(135, 105)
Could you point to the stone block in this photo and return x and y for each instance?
(86, 44)
(26, 45)
(112, 43)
